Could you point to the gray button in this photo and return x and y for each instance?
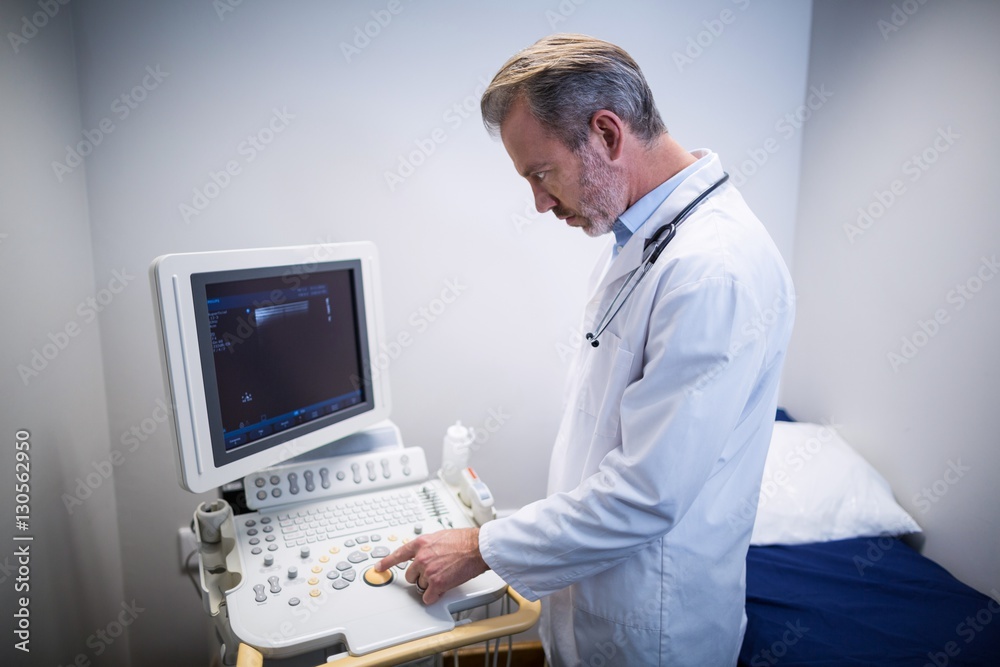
(259, 590)
(268, 560)
(259, 482)
(261, 495)
(255, 551)
(275, 479)
(304, 552)
(269, 538)
(349, 543)
(275, 586)
(250, 523)
(380, 552)
(340, 584)
(272, 547)
(403, 566)
(349, 575)
(376, 537)
(276, 493)
(252, 531)
(292, 572)
(343, 565)
(265, 520)
(361, 539)
(357, 557)
(340, 475)
(332, 574)
(254, 540)
(293, 601)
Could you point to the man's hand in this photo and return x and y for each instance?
(441, 561)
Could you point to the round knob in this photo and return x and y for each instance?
(374, 578)
(293, 572)
(268, 560)
(417, 529)
(304, 552)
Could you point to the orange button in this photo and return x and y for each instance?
(314, 592)
(317, 569)
(324, 559)
(374, 578)
(313, 581)
(392, 538)
(334, 550)
(366, 547)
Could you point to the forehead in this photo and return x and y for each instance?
(529, 144)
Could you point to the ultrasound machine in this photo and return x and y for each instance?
(269, 361)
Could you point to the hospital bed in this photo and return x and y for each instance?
(830, 579)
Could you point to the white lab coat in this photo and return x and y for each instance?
(640, 546)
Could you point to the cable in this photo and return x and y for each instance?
(190, 574)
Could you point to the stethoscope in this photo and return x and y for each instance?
(658, 244)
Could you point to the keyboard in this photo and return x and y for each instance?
(305, 565)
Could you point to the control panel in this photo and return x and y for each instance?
(297, 573)
(332, 477)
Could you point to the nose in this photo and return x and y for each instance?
(544, 202)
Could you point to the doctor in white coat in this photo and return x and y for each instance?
(639, 548)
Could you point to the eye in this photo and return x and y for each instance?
(539, 175)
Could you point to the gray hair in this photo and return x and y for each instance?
(566, 79)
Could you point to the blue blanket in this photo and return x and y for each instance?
(863, 601)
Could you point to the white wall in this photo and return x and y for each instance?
(928, 417)
(47, 272)
(463, 215)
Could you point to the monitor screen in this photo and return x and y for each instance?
(282, 353)
(267, 354)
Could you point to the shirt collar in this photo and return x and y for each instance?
(638, 213)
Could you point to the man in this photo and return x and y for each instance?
(640, 546)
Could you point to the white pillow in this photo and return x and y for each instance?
(816, 488)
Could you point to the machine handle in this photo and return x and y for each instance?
(478, 631)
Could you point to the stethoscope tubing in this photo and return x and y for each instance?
(659, 245)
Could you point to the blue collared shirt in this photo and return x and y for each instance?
(629, 222)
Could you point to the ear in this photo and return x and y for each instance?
(610, 131)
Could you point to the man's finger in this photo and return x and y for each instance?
(400, 555)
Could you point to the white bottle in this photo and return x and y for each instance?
(455, 455)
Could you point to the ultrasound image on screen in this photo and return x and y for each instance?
(284, 354)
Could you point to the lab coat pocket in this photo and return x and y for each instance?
(605, 375)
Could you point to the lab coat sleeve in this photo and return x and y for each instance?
(700, 365)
